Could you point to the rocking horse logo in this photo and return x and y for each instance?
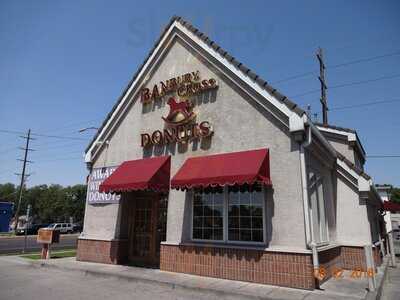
(179, 113)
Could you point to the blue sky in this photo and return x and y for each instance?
(63, 64)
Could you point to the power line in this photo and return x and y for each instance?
(348, 84)
(12, 131)
(71, 124)
(364, 81)
(345, 64)
(306, 74)
(67, 146)
(59, 137)
(59, 159)
(364, 104)
(7, 150)
(383, 156)
(69, 152)
(44, 135)
(362, 60)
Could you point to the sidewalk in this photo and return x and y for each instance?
(391, 287)
(345, 288)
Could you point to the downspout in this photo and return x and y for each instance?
(310, 241)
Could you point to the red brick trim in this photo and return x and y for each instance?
(277, 268)
(107, 252)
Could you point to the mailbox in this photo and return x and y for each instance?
(48, 236)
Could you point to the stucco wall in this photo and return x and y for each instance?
(343, 147)
(238, 124)
(352, 218)
(100, 221)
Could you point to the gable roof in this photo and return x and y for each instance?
(238, 65)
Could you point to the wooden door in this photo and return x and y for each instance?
(146, 230)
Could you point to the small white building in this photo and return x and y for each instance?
(204, 168)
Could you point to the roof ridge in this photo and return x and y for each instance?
(240, 66)
(335, 127)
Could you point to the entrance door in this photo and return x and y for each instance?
(147, 229)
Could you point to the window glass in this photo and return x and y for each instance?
(245, 214)
(208, 208)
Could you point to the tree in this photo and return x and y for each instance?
(8, 192)
(395, 195)
(50, 203)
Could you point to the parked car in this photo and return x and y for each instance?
(32, 229)
(77, 227)
(62, 227)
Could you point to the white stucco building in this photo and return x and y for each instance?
(211, 171)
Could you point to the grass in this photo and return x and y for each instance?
(53, 254)
(7, 234)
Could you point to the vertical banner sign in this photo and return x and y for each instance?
(97, 176)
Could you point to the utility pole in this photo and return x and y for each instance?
(323, 86)
(26, 149)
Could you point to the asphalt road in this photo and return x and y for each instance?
(16, 244)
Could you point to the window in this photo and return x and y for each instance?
(208, 209)
(231, 214)
(245, 214)
(317, 206)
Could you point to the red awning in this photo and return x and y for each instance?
(142, 174)
(224, 169)
(391, 206)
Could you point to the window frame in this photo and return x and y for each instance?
(319, 179)
(225, 224)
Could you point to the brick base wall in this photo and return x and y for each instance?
(107, 252)
(277, 268)
(354, 258)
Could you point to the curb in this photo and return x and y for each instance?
(168, 284)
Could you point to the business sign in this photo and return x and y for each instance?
(180, 121)
(184, 86)
(96, 178)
